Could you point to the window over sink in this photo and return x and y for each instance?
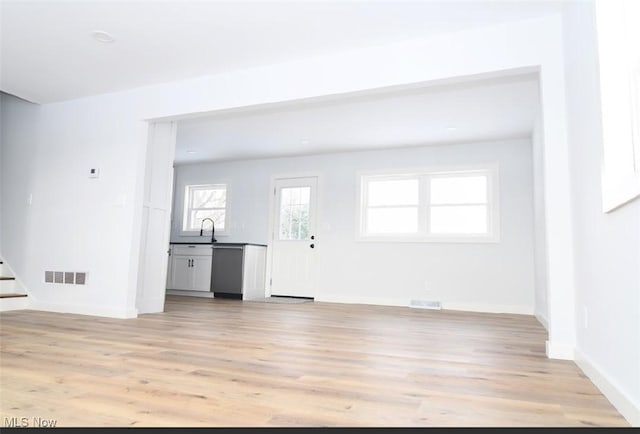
(205, 201)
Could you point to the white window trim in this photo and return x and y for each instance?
(493, 200)
(185, 210)
(618, 62)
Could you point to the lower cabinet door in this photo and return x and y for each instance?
(181, 273)
(201, 270)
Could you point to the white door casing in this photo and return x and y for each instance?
(294, 237)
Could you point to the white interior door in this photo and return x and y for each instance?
(294, 249)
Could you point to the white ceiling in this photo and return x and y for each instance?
(497, 108)
(48, 53)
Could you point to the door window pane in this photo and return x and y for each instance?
(294, 213)
(470, 219)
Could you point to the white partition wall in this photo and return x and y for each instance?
(156, 218)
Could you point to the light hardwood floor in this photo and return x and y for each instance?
(213, 362)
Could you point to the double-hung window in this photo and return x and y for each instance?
(444, 206)
(392, 205)
(205, 201)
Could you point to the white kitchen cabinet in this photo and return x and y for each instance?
(227, 270)
(190, 268)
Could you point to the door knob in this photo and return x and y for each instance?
(312, 245)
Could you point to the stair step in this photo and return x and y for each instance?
(14, 295)
(7, 278)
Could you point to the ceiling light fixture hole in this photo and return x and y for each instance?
(102, 36)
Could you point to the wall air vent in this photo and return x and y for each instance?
(66, 277)
(426, 304)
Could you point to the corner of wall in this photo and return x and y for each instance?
(84, 309)
(542, 319)
(560, 350)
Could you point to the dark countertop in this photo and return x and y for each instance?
(218, 243)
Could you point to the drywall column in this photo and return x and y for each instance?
(559, 231)
(539, 226)
(156, 217)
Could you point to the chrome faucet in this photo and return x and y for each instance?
(213, 229)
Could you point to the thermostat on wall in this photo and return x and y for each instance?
(94, 173)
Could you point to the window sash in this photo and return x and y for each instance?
(190, 211)
(424, 229)
(196, 227)
(365, 224)
(484, 212)
(397, 230)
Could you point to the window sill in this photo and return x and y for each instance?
(205, 234)
(467, 239)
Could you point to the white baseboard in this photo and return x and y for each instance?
(620, 400)
(362, 300)
(84, 309)
(488, 308)
(560, 351)
(150, 305)
(468, 307)
(543, 320)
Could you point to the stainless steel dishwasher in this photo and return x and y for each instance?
(226, 271)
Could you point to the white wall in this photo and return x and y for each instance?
(2, 96)
(607, 246)
(75, 223)
(539, 227)
(14, 137)
(476, 276)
